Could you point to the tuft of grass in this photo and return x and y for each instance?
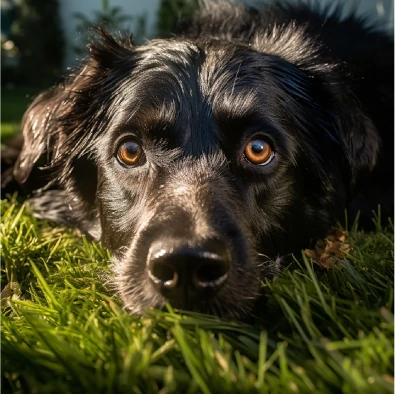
(63, 331)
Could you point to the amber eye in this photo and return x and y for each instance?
(259, 152)
(129, 153)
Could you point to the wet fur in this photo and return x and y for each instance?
(318, 88)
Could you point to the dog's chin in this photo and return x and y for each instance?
(216, 307)
(142, 297)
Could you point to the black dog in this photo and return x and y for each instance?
(202, 160)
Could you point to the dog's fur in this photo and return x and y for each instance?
(318, 88)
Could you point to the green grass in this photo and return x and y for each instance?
(13, 105)
(8, 129)
(15, 102)
(63, 331)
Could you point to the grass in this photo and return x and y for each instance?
(13, 105)
(63, 331)
(15, 102)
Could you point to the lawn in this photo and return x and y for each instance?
(13, 105)
(64, 332)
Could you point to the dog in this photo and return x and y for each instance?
(203, 160)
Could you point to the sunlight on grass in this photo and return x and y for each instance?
(63, 331)
(8, 130)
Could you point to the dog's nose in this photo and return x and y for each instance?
(184, 274)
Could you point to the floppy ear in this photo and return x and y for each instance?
(362, 142)
(60, 125)
(366, 148)
(36, 147)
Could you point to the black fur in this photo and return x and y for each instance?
(319, 89)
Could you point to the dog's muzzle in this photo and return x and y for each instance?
(184, 274)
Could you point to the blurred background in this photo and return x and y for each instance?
(42, 39)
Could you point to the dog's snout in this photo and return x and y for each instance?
(183, 273)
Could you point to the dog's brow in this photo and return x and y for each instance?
(237, 105)
(228, 92)
(152, 118)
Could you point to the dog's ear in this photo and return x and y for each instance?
(35, 124)
(362, 142)
(60, 125)
(47, 125)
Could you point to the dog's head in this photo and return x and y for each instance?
(200, 163)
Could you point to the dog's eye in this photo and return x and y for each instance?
(129, 153)
(259, 152)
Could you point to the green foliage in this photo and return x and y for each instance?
(38, 43)
(113, 19)
(109, 18)
(63, 331)
(171, 12)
